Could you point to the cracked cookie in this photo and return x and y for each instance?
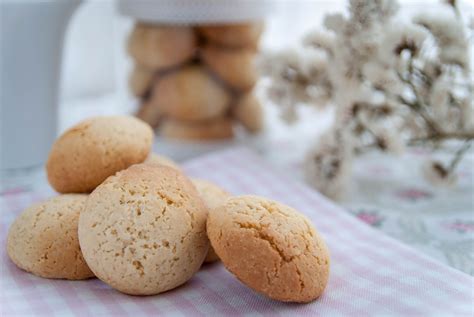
(143, 231)
(213, 197)
(92, 150)
(43, 239)
(270, 247)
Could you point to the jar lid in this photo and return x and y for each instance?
(195, 11)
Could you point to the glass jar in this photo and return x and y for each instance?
(194, 66)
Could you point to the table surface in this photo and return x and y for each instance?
(371, 274)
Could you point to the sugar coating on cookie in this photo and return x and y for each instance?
(143, 231)
(213, 197)
(92, 150)
(43, 239)
(154, 158)
(270, 247)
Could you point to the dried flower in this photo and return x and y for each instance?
(334, 22)
(437, 174)
(394, 83)
(320, 40)
(328, 165)
(449, 33)
(399, 38)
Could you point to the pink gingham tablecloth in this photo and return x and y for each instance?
(371, 274)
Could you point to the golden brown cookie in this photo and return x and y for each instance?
(213, 197)
(270, 247)
(214, 129)
(143, 231)
(92, 150)
(248, 111)
(150, 112)
(243, 35)
(43, 239)
(141, 80)
(190, 94)
(235, 67)
(154, 158)
(160, 47)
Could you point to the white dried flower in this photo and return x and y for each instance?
(399, 38)
(439, 99)
(389, 141)
(334, 22)
(382, 77)
(313, 65)
(449, 33)
(467, 110)
(365, 13)
(437, 174)
(328, 165)
(321, 40)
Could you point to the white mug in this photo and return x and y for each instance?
(32, 34)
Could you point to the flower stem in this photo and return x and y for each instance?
(458, 156)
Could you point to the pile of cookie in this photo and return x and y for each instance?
(195, 82)
(134, 220)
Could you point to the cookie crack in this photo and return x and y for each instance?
(259, 234)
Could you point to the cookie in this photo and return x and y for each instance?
(143, 231)
(140, 80)
(92, 150)
(161, 47)
(150, 112)
(213, 197)
(270, 247)
(43, 239)
(248, 111)
(244, 35)
(235, 67)
(190, 94)
(154, 158)
(214, 129)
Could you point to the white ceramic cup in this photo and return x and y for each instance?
(31, 35)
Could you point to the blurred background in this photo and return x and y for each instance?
(411, 180)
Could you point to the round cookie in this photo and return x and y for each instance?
(89, 152)
(235, 67)
(140, 80)
(154, 158)
(43, 239)
(161, 47)
(214, 129)
(213, 197)
(190, 94)
(270, 247)
(150, 113)
(244, 35)
(248, 111)
(143, 231)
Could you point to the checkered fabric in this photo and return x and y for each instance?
(371, 274)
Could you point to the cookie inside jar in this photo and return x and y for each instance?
(193, 69)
